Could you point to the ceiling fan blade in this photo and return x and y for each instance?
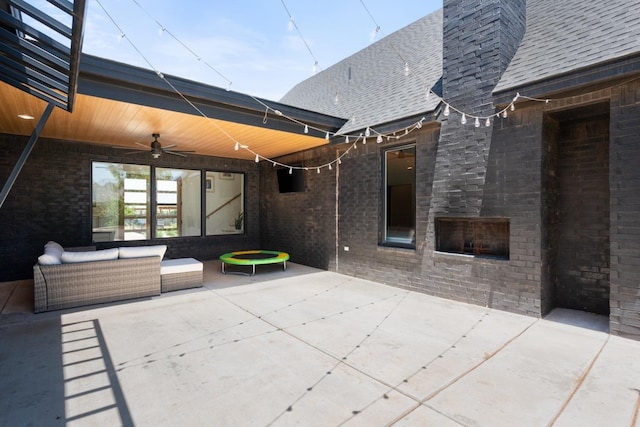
(136, 152)
(169, 146)
(142, 145)
(175, 153)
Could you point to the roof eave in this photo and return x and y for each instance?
(575, 79)
(113, 80)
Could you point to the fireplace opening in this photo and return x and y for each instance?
(484, 237)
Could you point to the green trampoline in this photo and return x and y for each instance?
(253, 258)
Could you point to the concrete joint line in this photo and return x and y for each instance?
(579, 384)
(636, 411)
(473, 368)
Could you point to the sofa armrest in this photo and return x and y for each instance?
(72, 285)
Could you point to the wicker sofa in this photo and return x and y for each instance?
(82, 278)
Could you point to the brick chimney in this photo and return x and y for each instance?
(480, 37)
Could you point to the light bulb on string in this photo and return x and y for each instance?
(364, 140)
(339, 160)
(326, 136)
(237, 146)
(427, 95)
(306, 129)
(512, 107)
(379, 139)
(336, 99)
(477, 122)
(406, 68)
(330, 168)
(367, 131)
(315, 68)
(318, 170)
(290, 171)
(504, 114)
(446, 110)
(346, 139)
(488, 122)
(463, 120)
(257, 158)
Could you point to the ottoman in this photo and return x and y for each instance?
(181, 273)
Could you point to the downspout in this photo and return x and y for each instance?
(25, 154)
(337, 206)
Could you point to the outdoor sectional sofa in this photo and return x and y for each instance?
(66, 279)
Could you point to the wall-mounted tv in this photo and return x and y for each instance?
(291, 181)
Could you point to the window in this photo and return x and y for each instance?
(400, 196)
(473, 236)
(224, 203)
(126, 206)
(121, 201)
(178, 198)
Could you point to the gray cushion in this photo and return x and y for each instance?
(142, 251)
(47, 259)
(103, 255)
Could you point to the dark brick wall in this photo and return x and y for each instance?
(624, 180)
(51, 200)
(479, 40)
(582, 264)
(361, 216)
(302, 224)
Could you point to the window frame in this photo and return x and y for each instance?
(386, 240)
(152, 200)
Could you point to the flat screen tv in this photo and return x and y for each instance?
(291, 182)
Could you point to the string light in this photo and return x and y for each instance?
(379, 137)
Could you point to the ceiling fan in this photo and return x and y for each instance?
(158, 150)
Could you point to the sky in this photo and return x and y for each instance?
(251, 43)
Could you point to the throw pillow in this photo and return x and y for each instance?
(54, 249)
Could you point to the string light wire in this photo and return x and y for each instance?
(268, 109)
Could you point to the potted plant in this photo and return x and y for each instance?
(238, 220)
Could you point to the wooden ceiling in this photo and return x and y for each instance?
(104, 121)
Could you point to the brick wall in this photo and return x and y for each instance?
(302, 224)
(51, 200)
(624, 181)
(582, 263)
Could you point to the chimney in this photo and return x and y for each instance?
(480, 38)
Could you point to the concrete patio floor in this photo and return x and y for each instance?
(308, 347)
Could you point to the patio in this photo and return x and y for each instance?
(309, 347)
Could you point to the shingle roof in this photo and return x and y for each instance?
(371, 84)
(564, 36)
(561, 37)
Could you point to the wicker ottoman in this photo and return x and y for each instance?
(181, 273)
